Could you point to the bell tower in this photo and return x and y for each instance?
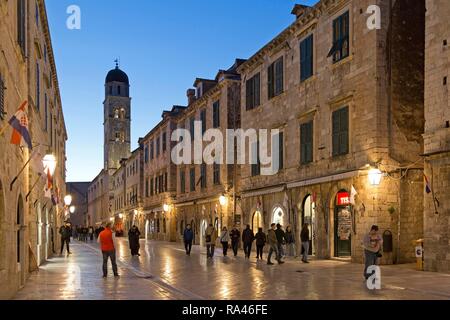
(117, 119)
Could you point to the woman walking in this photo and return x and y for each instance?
(304, 236)
(133, 237)
(260, 243)
(224, 239)
(290, 242)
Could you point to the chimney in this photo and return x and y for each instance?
(191, 96)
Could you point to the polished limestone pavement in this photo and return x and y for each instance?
(165, 272)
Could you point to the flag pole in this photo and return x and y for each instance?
(20, 172)
(34, 185)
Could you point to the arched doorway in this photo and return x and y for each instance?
(257, 221)
(342, 225)
(278, 216)
(20, 248)
(309, 217)
(203, 226)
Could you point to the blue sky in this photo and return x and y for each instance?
(163, 46)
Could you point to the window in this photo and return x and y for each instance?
(281, 150)
(256, 167)
(158, 146)
(2, 98)
(146, 154)
(38, 87)
(216, 174)
(152, 191)
(191, 127)
(118, 90)
(156, 185)
(306, 58)
(192, 179)
(216, 114)
(253, 90)
(275, 78)
(164, 142)
(203, 120)
(182, 181)
(110, 90)
(46, 112)
(203, 175)
(340, 132)
(165, 182)
(341, 31)
(152, 150)
(37, 13)
(21, 27)
(306, 142)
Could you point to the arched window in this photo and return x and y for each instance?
(116, 113)
(278, 216)
(122, 113)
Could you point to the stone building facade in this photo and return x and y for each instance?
(335, 91)
(29, 221)
(437, 137)
(79, 193)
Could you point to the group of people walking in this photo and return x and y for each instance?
(276, 238)
(84, 233)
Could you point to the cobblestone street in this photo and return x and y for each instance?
(165, 272)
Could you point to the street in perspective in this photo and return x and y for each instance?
(240, 151)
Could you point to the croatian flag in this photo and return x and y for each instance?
(19, 122)
(427, 184)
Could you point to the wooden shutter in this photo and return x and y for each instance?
(343, 137)
(281, 149)
(303, 60)
(270, 81)
(279, 76)
(249, 94)
(336, 131)
(257, 90)
(2, 98)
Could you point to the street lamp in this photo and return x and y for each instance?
(223, 200)
(375, 177)
(72, 209)
(120, 216)
(49, 163)
(68, 200)
(166, 207)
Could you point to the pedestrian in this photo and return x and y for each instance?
(260, 243)
(372, 244)
(247, 239)
(65, 231)
(290, 242)
(281, 238)
(210, 239)
(188, 236)
(107, 242)
(304, 236)
(224, 239)
(91, 233)
(273, 243)
(52, 240)
(133, 238)
(235, 238)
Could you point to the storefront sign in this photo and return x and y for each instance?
(343, 199)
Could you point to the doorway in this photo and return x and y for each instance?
(278, 216)
(257, 221)
(342, 225)
(309, 217)
(203, 226)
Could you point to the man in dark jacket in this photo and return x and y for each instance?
(133, 238)
(281, 238)
(247, 239)
(65, 231)
(188, 236)
(260, 243)
(235, 236)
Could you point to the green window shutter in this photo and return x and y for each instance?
(279, 77)
(281, 149)
(270, 81)
(336, 131)
(248, 94)
(257, 90)
(344, 126)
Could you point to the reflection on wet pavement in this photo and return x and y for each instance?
(165, 272)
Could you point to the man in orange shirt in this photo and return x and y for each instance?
(107, 242)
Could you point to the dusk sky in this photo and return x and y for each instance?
(162, 45)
